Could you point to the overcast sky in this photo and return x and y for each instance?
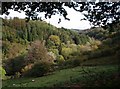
(74, 23)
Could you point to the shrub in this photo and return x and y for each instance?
(101, 53)
(72, 63)
(76, 62)
(95, 54)
(39, 69)
(26, 68)
(2, 73)
(17, 75)
(14, 65)
(60, 59)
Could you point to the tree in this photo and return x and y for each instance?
(66, 52)
(39, 69)
(100, 13)
(55, 39)
(38, 61)
(38, 53)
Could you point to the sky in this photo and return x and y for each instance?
(74, 16)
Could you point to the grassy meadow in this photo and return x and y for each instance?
(82, 76)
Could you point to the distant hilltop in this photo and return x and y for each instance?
(83, 31)
(80, 30)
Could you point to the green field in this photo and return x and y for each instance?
(66, 77)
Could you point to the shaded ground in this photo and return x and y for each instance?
(110, 60)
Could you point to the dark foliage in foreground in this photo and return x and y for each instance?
(101, 13)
